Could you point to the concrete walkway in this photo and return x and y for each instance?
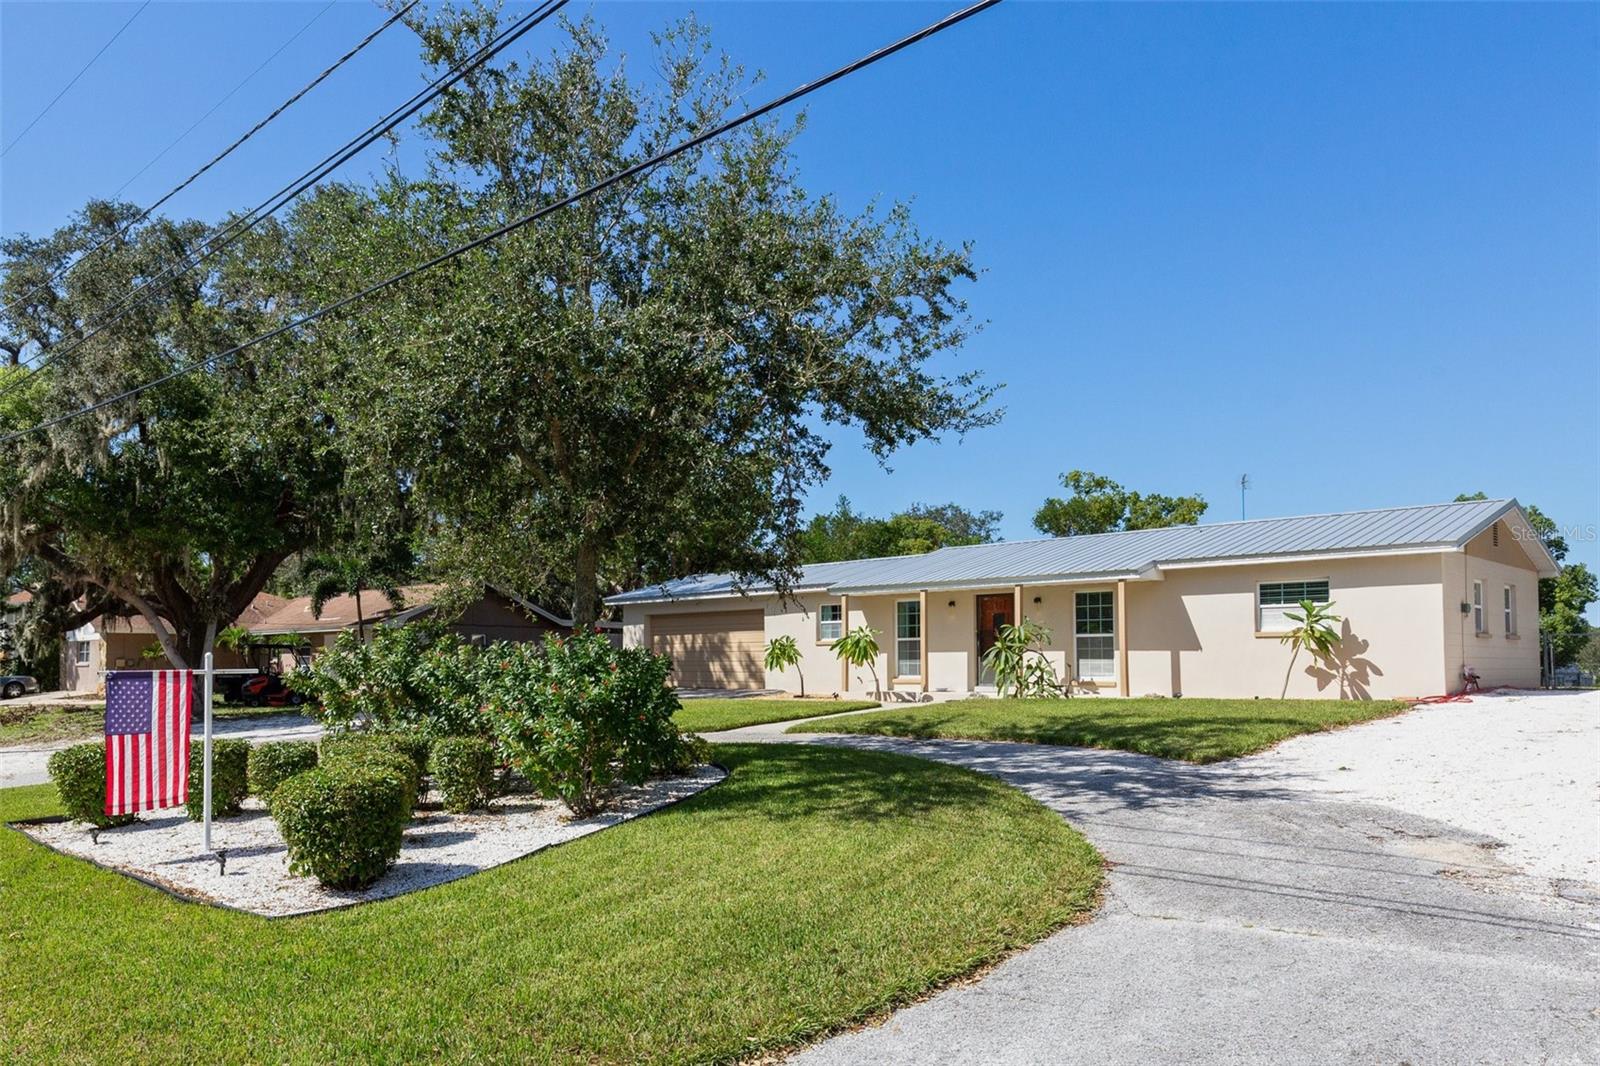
(26, 765)
(1253, 916)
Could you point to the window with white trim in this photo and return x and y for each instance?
(1095, 635)
(1511, 610)
(830, 621)
(908, 638)
(1274, 599)
(1479, 624)
(81, 652)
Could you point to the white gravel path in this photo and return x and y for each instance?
(165, 847)
(1522, 767)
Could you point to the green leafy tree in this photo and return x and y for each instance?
(1313, 632)
(1018, 663)
(859, 648)
(178, 504)
(1099, 505)
(783, 653)
(844, 533)
(642, 384)
(1588, 657)
(1563, 599)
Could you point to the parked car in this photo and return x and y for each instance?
(14, 685)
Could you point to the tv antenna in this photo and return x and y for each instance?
(1244, 483)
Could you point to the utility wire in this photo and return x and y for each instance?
(272, 204)
(220, 156)
(74, 80)
(604, 183)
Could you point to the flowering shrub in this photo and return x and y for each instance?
(578, 713)
(404, 678)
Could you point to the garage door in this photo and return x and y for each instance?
(717, 649)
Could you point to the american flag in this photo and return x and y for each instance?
(147, 739)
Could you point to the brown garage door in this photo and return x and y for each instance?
(717, 649)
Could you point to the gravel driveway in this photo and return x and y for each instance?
(1273, 910)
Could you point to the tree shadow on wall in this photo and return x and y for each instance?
(1347, 666)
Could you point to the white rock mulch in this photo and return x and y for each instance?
(165, 847)
(1522, 767)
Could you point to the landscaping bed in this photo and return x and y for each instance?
(813, 888)
(1194, 730)
(710, 715)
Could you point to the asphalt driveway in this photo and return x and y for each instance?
(1254, 915)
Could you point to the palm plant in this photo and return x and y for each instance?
(782, 653)
(1018, 663)
(350, 573)
(1313, 631)
(859, 648)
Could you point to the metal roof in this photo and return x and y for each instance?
(1131, 554)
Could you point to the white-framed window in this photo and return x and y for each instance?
(908, 638)
(1511, 610)
(81, 652)
(1274, 599)
(1095, 635)
(830, 621)
(1479, 623)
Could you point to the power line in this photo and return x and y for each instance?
(604, 183)
(272, 204)
(74, 80)
(220, 156)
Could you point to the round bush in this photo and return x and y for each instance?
(343, 821)
(274, 763)
(230, 777)
(464, 771)
(412, 747)
(79, 774)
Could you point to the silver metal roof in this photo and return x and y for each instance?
(1131, 554)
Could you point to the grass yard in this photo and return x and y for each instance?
(812, 888)
(709, 715)
(1197, 731)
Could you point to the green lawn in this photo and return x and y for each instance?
(1198, 731)
(709, 715)
(812, 888)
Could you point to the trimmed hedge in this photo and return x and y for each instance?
(230, 777)
(464, 771)
(343, 821)
(79, 774)
(412, 747)
(274, 763)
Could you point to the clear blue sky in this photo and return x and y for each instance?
(1351, 250)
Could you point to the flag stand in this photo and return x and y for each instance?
(207, 747)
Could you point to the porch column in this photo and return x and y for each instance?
(1122, 637)
(922, 613)
(1016, 605)
(844, 626)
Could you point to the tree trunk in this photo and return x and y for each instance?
(166, 638)
(361, 621)
(586, 575)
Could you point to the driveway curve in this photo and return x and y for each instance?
(1253, 916)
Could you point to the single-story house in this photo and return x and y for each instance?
(1424, 593)
(111, 643)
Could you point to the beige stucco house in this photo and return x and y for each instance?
(1425, 593)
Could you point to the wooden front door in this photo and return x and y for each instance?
(994, 610)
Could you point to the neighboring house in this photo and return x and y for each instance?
(1425, 592)
(123, 642)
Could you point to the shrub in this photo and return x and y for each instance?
(373, 749)
(404, 678)
(79, 774)
(343, 821)
(579, 713)
(230, 778)
(274, 763)
(464, 771)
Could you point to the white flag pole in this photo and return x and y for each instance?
(207, 756)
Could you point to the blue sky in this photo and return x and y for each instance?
(1351, 250)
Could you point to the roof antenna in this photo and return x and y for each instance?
(1244, 483)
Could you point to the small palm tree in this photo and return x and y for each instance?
(859, 648)
(1313, 631)
(782, 653)
(341, 574)
(1018, 662)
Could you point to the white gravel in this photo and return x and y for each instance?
(1522, 767)
(165, 847)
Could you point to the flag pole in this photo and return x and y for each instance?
(207, 746)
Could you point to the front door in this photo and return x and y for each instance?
(994, 610)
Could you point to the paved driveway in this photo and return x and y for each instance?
(1252, 914)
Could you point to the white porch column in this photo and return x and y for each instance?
(844, 623)
(1122, 637)
(922, 615)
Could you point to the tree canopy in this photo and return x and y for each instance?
(843, 533)
(1099, 505)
